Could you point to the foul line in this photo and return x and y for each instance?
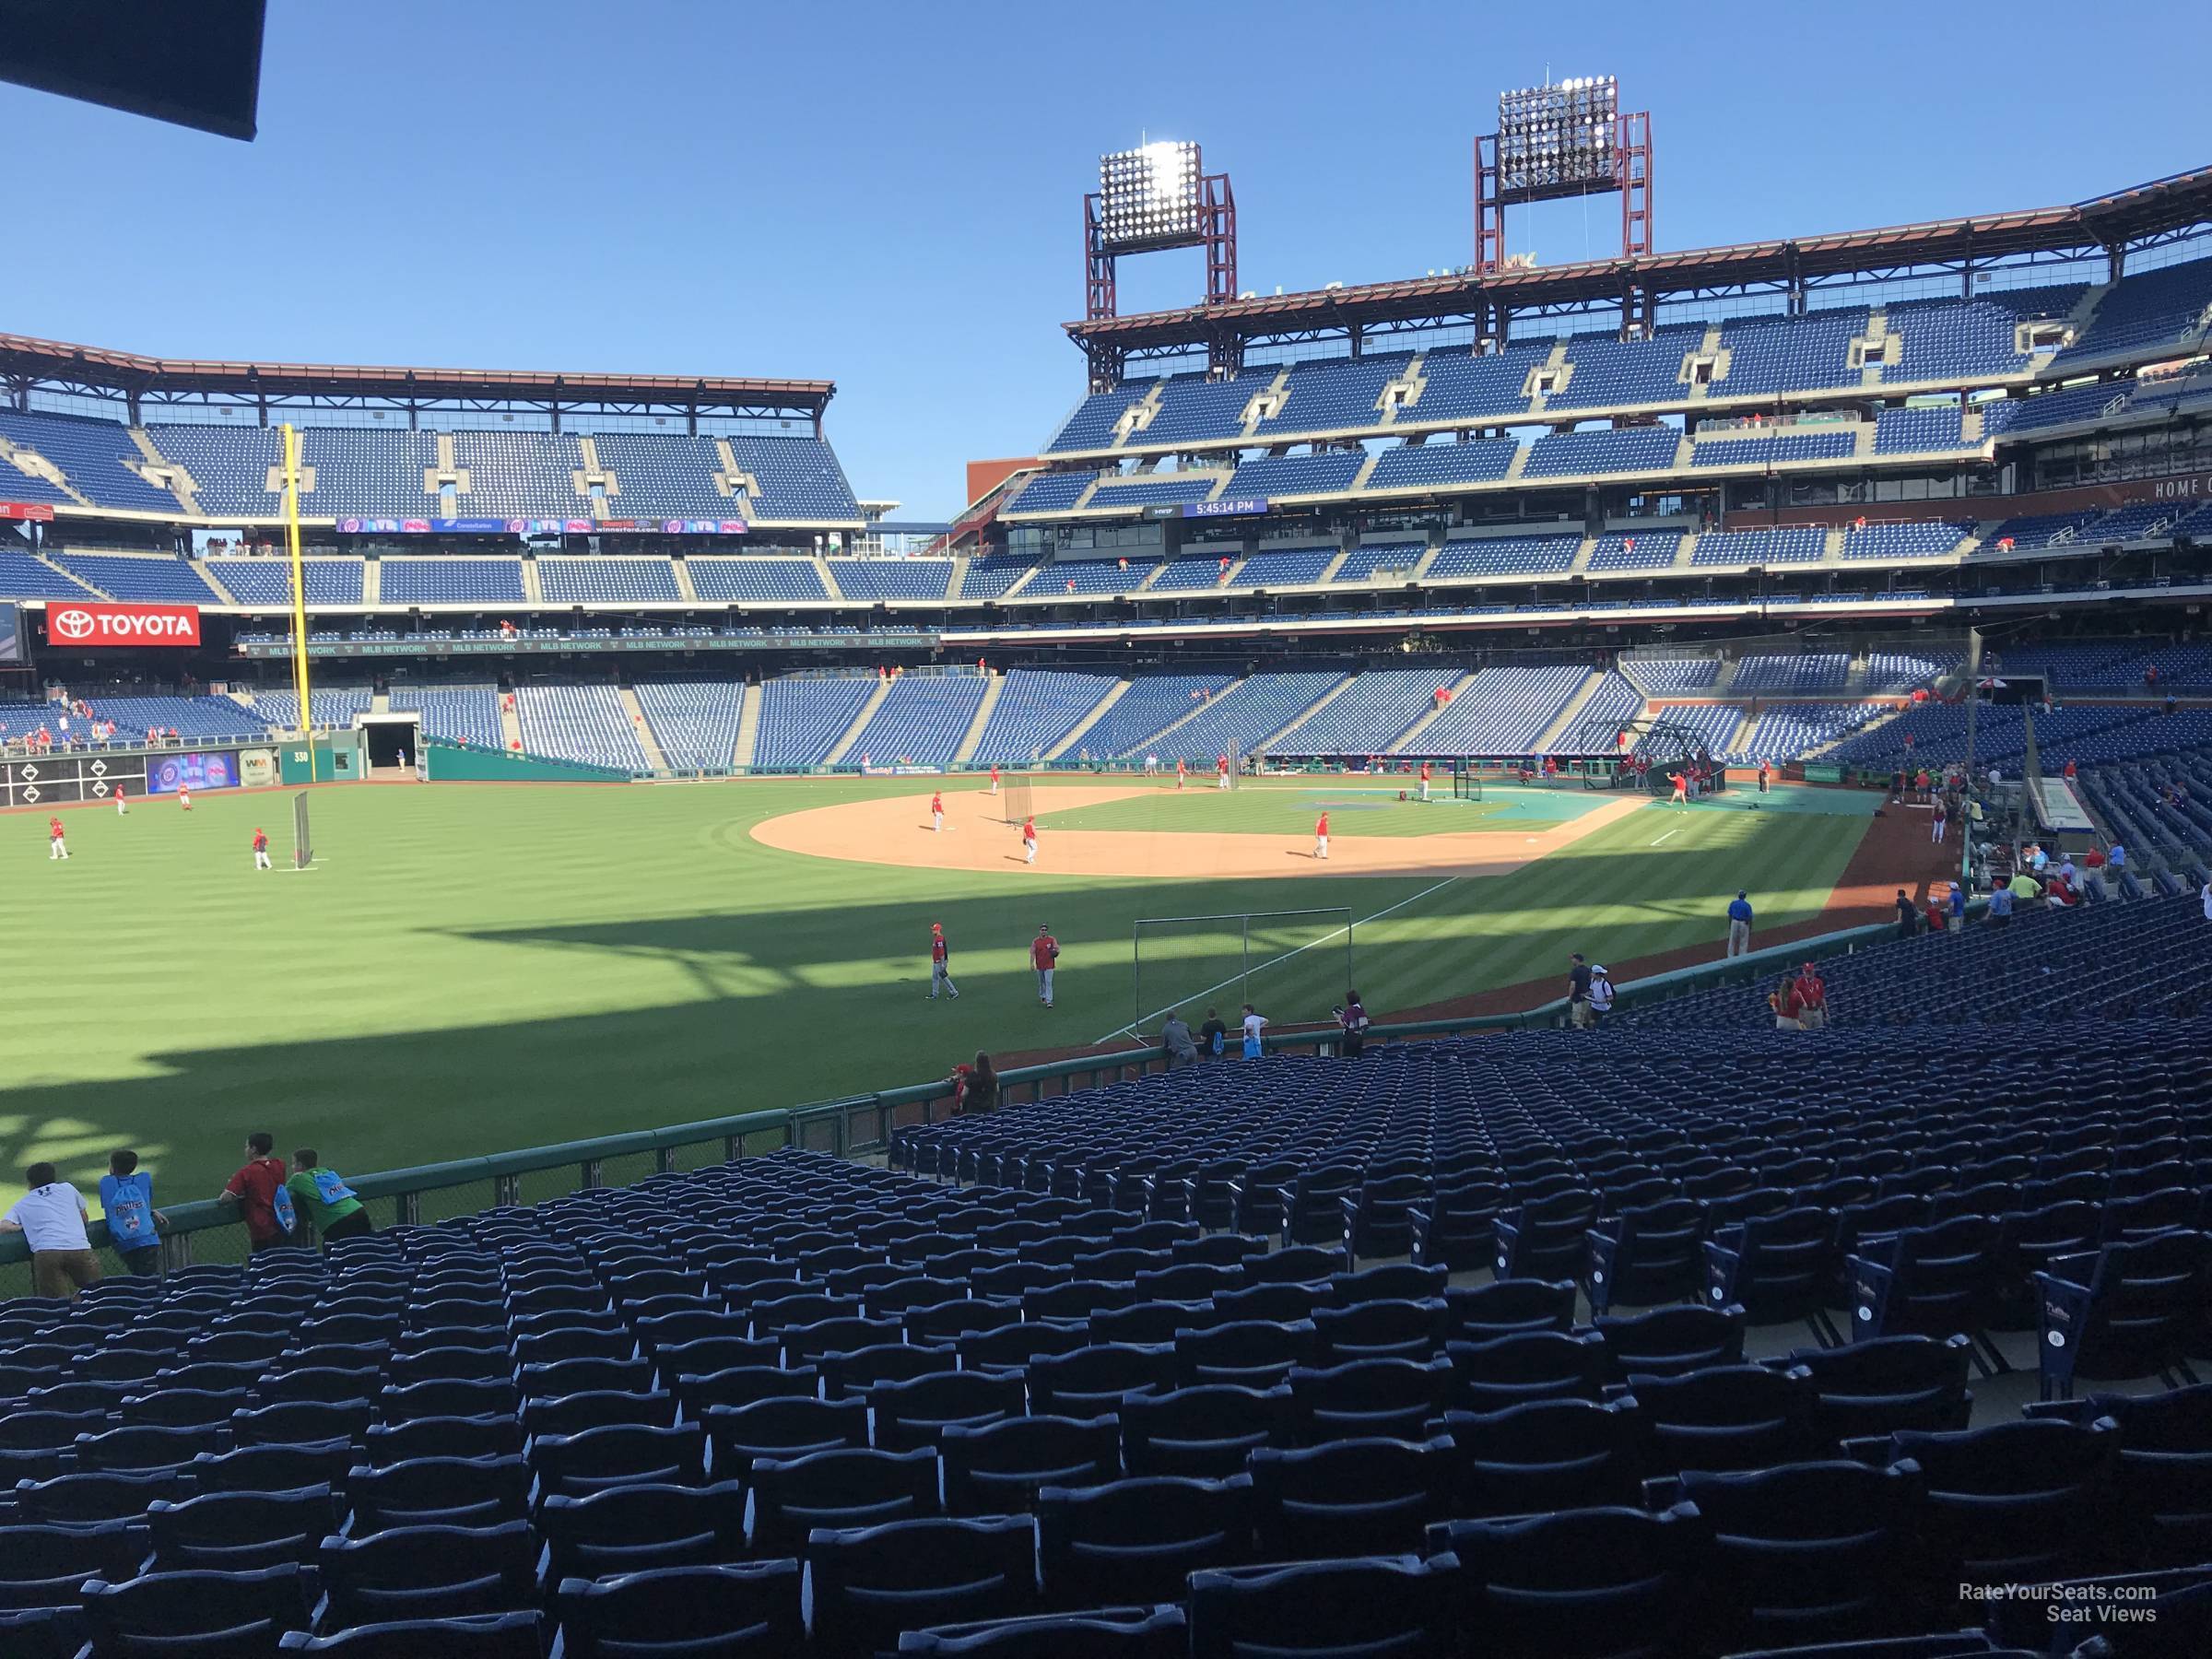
(1132, 1030)
(1675, 831)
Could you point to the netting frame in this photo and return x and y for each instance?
(1242, 981)
(1015, 801)
(303, 846)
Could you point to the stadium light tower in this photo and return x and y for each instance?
(1157, 197)
(1554, 142)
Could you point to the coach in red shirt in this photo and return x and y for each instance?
(259, 1192)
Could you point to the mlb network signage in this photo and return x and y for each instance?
(104, 627)
(1239, 508)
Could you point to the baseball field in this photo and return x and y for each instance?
(469, 969)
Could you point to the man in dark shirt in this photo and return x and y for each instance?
(1908, 915)
(1213, 1036)
(1578, 992)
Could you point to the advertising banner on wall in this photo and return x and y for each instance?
(103, 627)
(166, 774)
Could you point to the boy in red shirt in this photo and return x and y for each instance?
(55, 846)
(261, 849)
(1320, 836)
(1029, 840)
(259, 1191)
(1044, 951)
(936, 812)
(1812, 998)
(1681, 796)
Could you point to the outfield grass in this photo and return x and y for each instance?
(477, 968)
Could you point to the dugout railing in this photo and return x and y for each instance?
(852, 1125)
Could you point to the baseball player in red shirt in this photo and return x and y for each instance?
(940, 963)
(261, 848)
(1044, 951)
(1179, 774)
(1320, 836)
(1424, 780)
(936, 812)
(121, 810)
(994, 778)
(1221, 771)
(55, 846)
(1681, 783)
(1029, 840)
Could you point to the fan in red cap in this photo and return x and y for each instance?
(1812, 998)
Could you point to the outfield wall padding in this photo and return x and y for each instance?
(444, 761)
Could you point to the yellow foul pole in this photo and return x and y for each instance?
(291, 528)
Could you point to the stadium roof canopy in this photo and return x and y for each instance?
(2163, 209)
(52, 364)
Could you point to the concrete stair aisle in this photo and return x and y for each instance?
(1317, 706)
(65, 575)
(372, 582)
(1408, 745)
(533, 590)
(1737, 736)
(174, 479)
(866, 712)
(1571, 715)
(643, 728)
(510, 726)
(749, 729)
(1184, 719)
(960, 574)
(1683, 553)
(29, 464)
(1580, 561)
(1874, 725)
(1075, 735)
(822, 569)
(207, 576)
(1329, 573)
(1026, 577)
(683, 580)
(995, 690)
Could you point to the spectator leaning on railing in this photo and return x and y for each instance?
(51, 1217)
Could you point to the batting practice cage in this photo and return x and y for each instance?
(1014, 795)
(303, 846)
(1290, 965)
(1466, 784)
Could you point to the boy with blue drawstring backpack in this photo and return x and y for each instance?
(126, 1195)
(330, 1204)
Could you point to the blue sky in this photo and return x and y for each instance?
(889, 194)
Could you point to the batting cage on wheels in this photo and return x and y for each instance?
(1670, 746)
(1291, 965)
(1013, 798)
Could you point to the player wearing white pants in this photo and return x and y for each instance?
(1425, 787)
(1320, 836)
(56, 848)
(1044, 951)
(121, 810)
(260, 859)
(1220, 780)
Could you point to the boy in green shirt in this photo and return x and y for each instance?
(325, 1199)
